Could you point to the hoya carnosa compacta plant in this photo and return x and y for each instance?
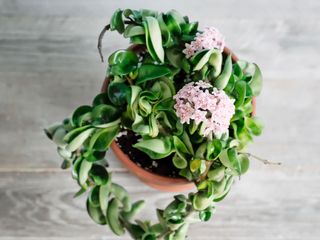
(186, 98)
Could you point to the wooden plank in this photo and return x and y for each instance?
(266, 204)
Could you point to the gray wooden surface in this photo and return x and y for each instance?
(49, 65)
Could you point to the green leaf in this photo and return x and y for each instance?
(93, 156)
(123, 62)
(173, 20)
(135, 209)
(99, 174)
(58, 137)
(254, 125)
(179, 162)
(74, 133)
(201, 201)
(156, 148)
(133, 30)
(102, 138)
(51, 130)
(79, 140)
(215, 61)
(80, 111)
(96, 214)
(256, 81)
(149, 72)
(122, 195)
(180, 148)
(104, 197)
(213, 149)
(101, 98)
(252, 70)
(84, 172)
(189, 28)
(206, 214)
(222, 80)
(154, 39)
(216, 174)
(204, 59)
(117, 21)
(166, 35)
(239, 93)
(104, 113)
(229, 158)
(119, 93)
(94, 197)
(244, 162)
(174, 56)
(139, 39)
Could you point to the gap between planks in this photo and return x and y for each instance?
(50, 170)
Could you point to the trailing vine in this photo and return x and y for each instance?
(171, 65)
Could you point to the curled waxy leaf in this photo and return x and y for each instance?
(101, 98)
(104, 113)
(179, 162)
(201, 201)
(216, 174)
(214, 148)
(154, 39)
(175, 56)
(256, 81)
(239, 92)
(206, 214)
(203, 60)
(252, 70)
(80, 111)
(135, 209)
(96, 214)
(113, 217)
(99, 175)
(58, 137)
(133, 30)
(173, 21)
(51, 130)
(104, 193)
(102, 138)
(122, 195)
(149, 72)
(74, 133)
(117, 21)
(123, 62)
(166, 35)
(119, 93)
(215, 61)
(222, 80)
(244, 161)
(78, 141)
(254, 125)
(156, 148)
(84, 170)
(229, 158)
(94, 197)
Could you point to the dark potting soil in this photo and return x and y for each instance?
(163, 166)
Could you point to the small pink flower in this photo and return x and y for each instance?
(211, 38)
(201, 102)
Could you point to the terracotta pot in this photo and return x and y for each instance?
(156, 181)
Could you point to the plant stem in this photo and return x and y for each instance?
(265, 161)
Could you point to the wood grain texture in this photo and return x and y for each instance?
(49, 65)
(268, 204)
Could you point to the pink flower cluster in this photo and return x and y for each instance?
(211, 38)
(201, 102)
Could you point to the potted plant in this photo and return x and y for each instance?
(177, 107)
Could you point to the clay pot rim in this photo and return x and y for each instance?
(150, 177)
